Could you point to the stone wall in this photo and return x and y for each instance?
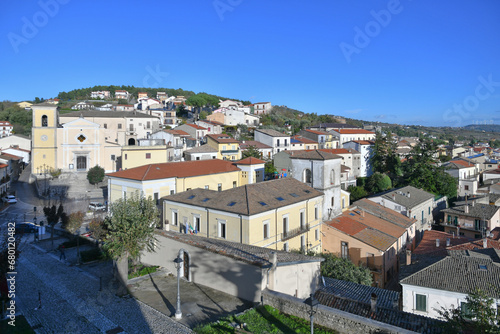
(340, 321)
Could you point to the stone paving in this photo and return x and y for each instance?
(72, 303)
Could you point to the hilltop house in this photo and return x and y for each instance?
(277, 140)
(365, 148)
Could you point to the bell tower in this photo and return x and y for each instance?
(44, 137)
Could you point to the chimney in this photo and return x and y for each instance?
(437, 242)
(453, 234)
(408, 257)
(448, 241)
(373, 303)
(485, 243)
(408, 194)
(473, 203)
(466, 209)
(393, 196)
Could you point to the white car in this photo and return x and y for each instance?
(94, 206)
(11, 199)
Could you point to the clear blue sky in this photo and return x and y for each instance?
(410, 62)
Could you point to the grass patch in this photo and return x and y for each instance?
(263, 319)
(21, 326)
(143, 270)
(94, 254)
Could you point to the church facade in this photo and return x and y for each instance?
(78, 141)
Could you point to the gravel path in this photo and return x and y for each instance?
(72, 303)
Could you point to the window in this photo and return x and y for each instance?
(344, 249)
(333, 201)
(315, 212)
(148, 155)
(105, 126)
(465, 310)
(175, 217)
(207, 187)
(307, 176)
(285, 225)
(234, 184)
(125, 156)
(316, 234)
(172, 192)
(196, 223)
(45, 120)
(370, 260)
(343, 203)
(113, 157)
(119, 125)
(197, 158)
(148, 125)
(266, 229)
(285, 247)
(157, 199)
(222, 229)
(421, 302)
(302, 219)
(131, 127)
(124, 195)
(466, 187)
(332, 177)
(219, 187)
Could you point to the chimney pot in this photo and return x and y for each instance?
(485, 243)
(408, 194)
(408, 257)
(437, 242)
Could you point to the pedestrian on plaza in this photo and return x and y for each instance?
(62, 255)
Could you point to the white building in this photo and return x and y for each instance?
(365, 148)
(100, 94)
(467, 174)
(5, 129)
(321, 171)
(261, 108)
(277, 140)
(447, 282)
(346, 135)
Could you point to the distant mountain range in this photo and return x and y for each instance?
(484, 127)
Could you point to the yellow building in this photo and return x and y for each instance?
(81, 140)
(25, 104)
(283, 214)
(227, 147)
(149, 151)
(159, 180)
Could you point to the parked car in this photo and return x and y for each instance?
(94, 206)
(11, 199)
(26, 228)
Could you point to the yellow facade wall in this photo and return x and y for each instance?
(137, 156)
(226, 180)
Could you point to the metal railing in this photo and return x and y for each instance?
(295, 232)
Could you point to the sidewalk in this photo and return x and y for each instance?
(71, 301)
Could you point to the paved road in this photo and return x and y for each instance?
(72, 303)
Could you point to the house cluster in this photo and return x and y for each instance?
(15, 154)
(236, 231)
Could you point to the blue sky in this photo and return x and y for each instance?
(409, 62)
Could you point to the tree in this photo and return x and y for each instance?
(269, 168)
(385, 158)
(131, 226)
(357, 192)
(251, 151)
(378, 182)
(181, 111)
(75, 220)
(98, 229)
(477, 315)
(95, 174)
(344, 269)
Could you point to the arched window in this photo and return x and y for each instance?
(45, 120)
(131, 141)
(332, 176)
(307, 178)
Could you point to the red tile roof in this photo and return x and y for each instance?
(304, 140)
(250, 161)
(176, 169)
(11, 156)
(257, 144)
(177, 132)
(364, 142)
(3, 165)
(196, 126)
(428, 243)
(462, 163)
(337, 150)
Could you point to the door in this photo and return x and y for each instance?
(81, 163)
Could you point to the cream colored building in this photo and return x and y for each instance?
(81, 140)
(159, 180)
(227, 147)
(283, 214)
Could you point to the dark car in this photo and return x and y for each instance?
(26, 228)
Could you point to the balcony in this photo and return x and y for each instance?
(373, 267)
(229, 151)
(295, 232)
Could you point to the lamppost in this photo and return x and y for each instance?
(313, 303)
(178, 264)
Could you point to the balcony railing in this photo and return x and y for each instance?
(229, 151)
(295, 232)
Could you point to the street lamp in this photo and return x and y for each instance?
(178, 264)
(313, 303)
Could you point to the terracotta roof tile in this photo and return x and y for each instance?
(176, 169)
(250, 161)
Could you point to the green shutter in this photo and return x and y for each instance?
(421, 303)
